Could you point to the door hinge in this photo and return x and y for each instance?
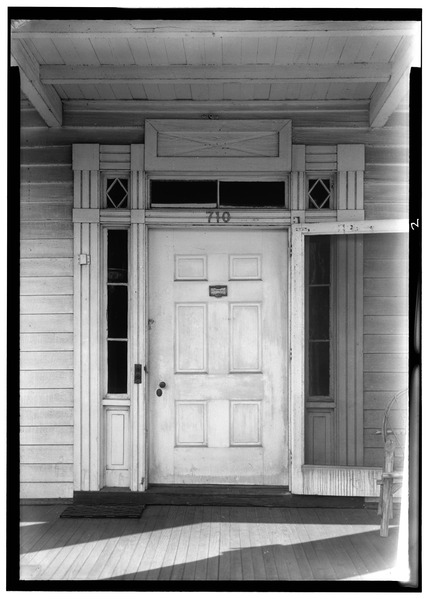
(290, 354)
(290, 250)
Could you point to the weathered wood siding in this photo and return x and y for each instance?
(47, 268)
(385, 338)
(46, 413)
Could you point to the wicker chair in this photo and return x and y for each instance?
(391, 478)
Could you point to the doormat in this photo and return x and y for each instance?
(103, 511)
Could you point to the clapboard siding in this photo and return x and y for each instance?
(43, 304)
(47, 285)
(46, 416)
(47, 192)
(45, 212)
(46, 248)
(46, 435)
(46, 323)
(47, 472)
(46, 267)
(46, 398)
(47, 454)
(46, 340)
(53, 360)
(46, 490)
(385, 338)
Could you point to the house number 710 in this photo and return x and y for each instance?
(225, 216)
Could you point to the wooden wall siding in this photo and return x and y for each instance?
(46, 307)
(334, 480)
(385, 365)
(349, 345)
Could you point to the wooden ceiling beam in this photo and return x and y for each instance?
(388, 96)
(196, 28)
(73, 74)
(43, 97)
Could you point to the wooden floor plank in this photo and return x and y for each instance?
(171, 549)
(191, 555)
(307, 545)
(225, 544)
(203, 545)
(305, 571)
(138, 544)
(266, 544)
(256, 547)
(76, 557)
(244, 526)
(160, 547)
(121, 547)
(93, 566)
(144, 552)
(43, 520)
(362, 543)
(290, 566)
(205, 542)
(182, 548)
(97, 530)
(55, 561)
(348, 554)
(214, 545)
(48, 544)
(315, 536)
(235, 547)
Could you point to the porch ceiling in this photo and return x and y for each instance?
(215, 63)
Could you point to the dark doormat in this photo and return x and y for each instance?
(103, 511)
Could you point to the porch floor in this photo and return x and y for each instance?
(171, 542)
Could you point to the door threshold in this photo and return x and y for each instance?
(242, 490)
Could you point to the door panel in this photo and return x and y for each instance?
(222, 417)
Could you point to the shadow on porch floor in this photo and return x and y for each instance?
(208, 543)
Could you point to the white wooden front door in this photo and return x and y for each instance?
(222, 415)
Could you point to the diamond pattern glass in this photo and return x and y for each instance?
(319, 193)
(117, 192)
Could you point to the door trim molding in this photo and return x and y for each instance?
(300, 481)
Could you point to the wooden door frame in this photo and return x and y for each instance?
(268, 222)
(331, 479)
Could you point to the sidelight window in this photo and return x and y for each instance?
(117, 311)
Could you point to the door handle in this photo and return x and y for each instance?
(161, 386)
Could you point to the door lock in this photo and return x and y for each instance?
(161, 386)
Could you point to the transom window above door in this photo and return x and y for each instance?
(213, 193)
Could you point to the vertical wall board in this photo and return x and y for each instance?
(358, 366)
(351, 190)
(94, 357)
(341, 350)
(342, 191)
(86, 195)
(77, 456)
(297, 371)
(359, 191)
(77, 189)
(134, 350)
